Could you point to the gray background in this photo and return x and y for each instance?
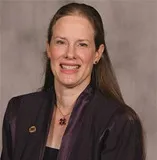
(131, 34)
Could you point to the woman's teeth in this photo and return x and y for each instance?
(70, 67)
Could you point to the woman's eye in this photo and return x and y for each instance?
(83, 44)
(60, 42)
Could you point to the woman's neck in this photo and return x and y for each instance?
(66, 97)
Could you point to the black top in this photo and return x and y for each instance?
(50, 153)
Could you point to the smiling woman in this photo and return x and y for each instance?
(79, 114)
(72, 51)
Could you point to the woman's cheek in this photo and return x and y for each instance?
(88, 58)
(58, 52)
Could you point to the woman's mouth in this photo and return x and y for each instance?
(70, 67)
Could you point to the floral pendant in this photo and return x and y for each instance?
(62, 121)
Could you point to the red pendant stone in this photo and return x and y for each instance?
(62, 121)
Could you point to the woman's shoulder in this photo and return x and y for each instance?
(31, 96)
(118, 126)
(110, 111)
(27, 96)
(25, 102)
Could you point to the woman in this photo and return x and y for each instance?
(80, 113)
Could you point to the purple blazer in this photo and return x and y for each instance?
(99, 128)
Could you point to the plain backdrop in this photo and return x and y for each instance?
(131, 36)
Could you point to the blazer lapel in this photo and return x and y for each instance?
(75, 122)
(32, 125)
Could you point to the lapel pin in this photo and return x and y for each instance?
(32, 129)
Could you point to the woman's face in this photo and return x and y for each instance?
(72, 51)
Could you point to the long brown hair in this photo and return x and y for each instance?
(103, 75)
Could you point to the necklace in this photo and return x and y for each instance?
(63, 120)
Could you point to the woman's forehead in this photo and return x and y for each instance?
(73, 25)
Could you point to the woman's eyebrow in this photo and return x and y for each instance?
(60, 37)
(64, 38)
(80, 40)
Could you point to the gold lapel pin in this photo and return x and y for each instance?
(32, 129)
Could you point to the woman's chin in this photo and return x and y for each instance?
(68, 83)
(71, 82)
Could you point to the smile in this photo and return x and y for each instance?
(70, 67)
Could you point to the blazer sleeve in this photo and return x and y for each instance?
(125, 139)
(8, 129)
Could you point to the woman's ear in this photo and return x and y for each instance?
(99, 53)
(48, 50)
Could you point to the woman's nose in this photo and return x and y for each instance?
(70, 52)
